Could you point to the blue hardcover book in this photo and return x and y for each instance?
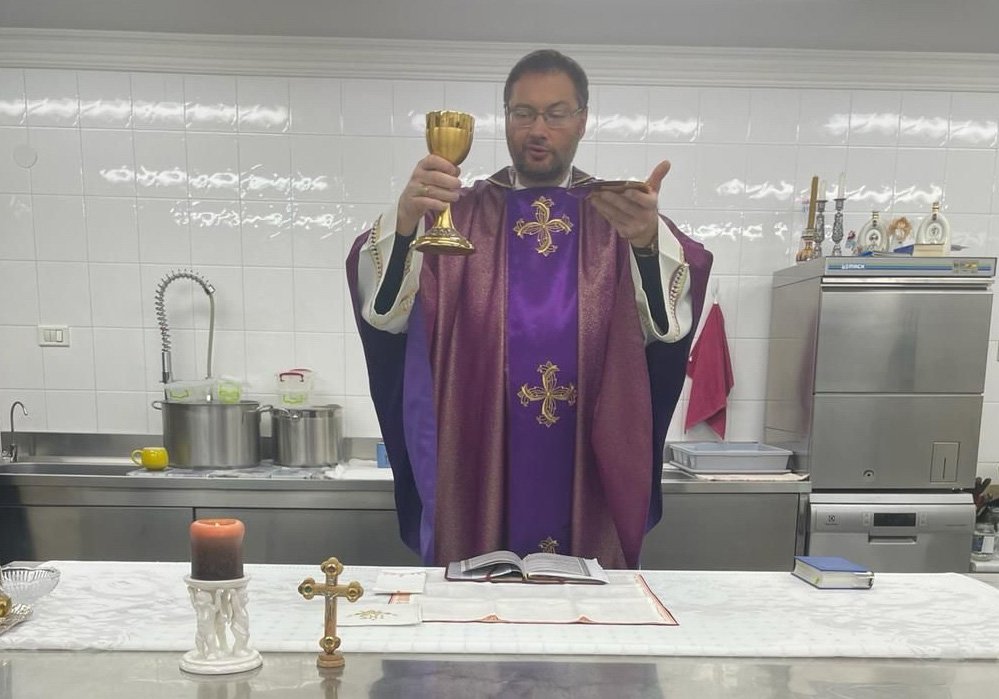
(832, 572)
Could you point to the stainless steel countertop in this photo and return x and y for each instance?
(56, 460)
(112, 473)
(125, 675)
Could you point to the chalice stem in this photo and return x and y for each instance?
(444, 225)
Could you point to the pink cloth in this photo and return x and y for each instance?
(710, 372)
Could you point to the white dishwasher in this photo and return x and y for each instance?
(894, 532)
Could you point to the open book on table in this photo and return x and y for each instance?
(506, 566)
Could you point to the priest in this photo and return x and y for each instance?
(524, 391)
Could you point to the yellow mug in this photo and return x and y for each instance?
(153, 458)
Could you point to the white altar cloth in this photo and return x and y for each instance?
(144, 606)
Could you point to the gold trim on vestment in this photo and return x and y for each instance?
(404, 303)
(677, 280)
(376, 257)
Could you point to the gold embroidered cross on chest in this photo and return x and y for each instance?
(549, 393)
(549, 545)
(543, 226)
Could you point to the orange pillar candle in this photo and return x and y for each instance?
(217, 549)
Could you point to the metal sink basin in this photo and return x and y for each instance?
(68, 466)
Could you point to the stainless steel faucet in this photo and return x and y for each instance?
(11, 453)
(161, 318)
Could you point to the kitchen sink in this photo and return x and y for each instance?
(68, 466)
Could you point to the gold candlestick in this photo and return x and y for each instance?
(331, 657)
(808, 248)
(812, 199)
(449, 135)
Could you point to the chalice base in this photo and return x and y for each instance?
(443, 241)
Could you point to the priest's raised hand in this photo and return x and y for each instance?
(433, 185)
(633, 213)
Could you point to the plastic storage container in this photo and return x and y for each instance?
(742, 457)
(189, 391)
(983, 542)
(294, 388)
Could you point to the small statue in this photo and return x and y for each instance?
(872, 236)
(206, 639)
(933, 235)
(899, 231)
(239, 622)
(851, 243)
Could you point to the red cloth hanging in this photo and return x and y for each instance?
(710, 372)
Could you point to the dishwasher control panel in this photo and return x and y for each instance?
(865, 517)
(892, 535)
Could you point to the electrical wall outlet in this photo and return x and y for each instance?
(53, 336)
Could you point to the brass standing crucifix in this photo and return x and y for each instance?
(330, 642)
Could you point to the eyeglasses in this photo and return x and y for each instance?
(555, 117)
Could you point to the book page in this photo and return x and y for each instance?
(488, 560)
(555, 564)
(626, 599)
(444, 609)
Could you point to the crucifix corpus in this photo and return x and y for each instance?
(331, 657)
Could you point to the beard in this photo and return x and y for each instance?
(533, 173)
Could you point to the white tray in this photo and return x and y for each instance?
(718, 471)
(741, 457)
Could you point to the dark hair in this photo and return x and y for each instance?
(549, 61)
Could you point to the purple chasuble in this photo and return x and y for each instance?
(476, 469)
(542, 326)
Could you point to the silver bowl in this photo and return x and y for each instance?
(27, 585)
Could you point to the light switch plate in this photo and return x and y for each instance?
(53, 336)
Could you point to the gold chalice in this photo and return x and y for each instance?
(449, 135)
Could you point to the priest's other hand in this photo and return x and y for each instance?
(634, 213)
(433, 185)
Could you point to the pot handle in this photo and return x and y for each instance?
(157, 404)
(267, 408)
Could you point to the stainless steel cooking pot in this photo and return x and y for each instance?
(211, 435)
(307, 436)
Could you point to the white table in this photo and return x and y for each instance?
(144, 607)
(33, 674)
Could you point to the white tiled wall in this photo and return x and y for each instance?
(260, 184)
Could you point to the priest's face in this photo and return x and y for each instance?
(544, 123)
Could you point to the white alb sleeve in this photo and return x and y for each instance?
(676, 290)
(372, 264)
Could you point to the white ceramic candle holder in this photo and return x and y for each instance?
(221, 643)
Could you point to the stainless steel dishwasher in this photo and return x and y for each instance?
(893, 532)
(875, 380)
